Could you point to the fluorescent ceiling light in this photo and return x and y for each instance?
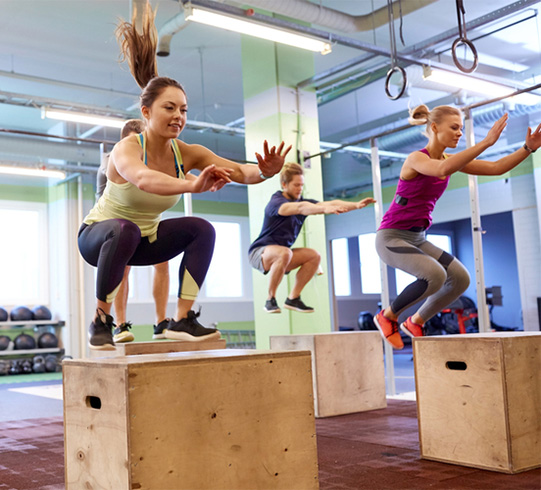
(257, 29)
(477, 85)
(81, 117)
(32, 172)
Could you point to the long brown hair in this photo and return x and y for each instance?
(139, 50)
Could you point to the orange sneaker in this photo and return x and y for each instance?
(412, 329)
(389, 330)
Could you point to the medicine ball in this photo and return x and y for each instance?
(21, 314)
(366, 321)
(5, 343)
(41, 313)
(3, 315)
(24, 341)
(47, 340)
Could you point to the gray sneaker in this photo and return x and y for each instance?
(101, 332)
(296, 304)
(159, 330)
(271, 306)
(190, 329)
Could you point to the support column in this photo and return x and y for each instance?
(274, 110)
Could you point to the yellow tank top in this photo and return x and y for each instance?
(126, 201)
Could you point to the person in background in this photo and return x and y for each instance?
(271, 251)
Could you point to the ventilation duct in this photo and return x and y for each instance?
(313, 13)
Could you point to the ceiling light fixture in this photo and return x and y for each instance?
(254, 28)
(32, 172)
(476, 85)
(82, 117)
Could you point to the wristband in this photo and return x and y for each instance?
(263, 176)
(526, 147)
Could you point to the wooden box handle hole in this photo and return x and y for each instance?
(93, 402)
(456, 365)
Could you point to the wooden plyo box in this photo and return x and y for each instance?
(478, 399)
(159, 347)
(223, 419)
(347, 367)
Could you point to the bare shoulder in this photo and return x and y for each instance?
(128, 144)
(408, 170)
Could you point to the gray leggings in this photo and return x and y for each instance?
(441, 278)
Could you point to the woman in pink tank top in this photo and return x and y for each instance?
(401, 241)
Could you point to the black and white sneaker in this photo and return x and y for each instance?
(271, 306)
(122, 333)
(101, 332)
(190, 329)
(296, 304)
(159, 330)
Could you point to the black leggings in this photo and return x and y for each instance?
(113, 244)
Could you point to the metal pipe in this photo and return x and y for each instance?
(385, 296)
(477, 231)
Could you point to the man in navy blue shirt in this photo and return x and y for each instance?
(271, 252)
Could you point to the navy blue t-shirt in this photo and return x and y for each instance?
(279, 230)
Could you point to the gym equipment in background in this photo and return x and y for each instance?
(47, 340)
(24, 341)
(41, 312)
(21, 314)
(5, 343)
(38, 364)
(3, 314)
(366, 321)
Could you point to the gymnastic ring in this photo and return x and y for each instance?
(388, 81)
(468, 43)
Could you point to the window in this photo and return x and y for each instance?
(23, 253)
(403, 279)
(370, 266)
(340, 262)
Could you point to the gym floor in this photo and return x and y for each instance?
(373, 450)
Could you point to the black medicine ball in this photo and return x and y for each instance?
(366, 321)
(47, 340)
(21, 314)
(24, 342)
(41, 313)
(3, 315)
(5, 343)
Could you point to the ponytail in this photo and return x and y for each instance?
(139, 49)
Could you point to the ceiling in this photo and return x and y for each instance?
(63, 52)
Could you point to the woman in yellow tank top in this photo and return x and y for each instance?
(124, 228)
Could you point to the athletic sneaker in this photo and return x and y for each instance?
(296, 304)
(412, 329)
(122, 333)
(271, 306)
(100, 332)
(389, 330)
(190, 329)
(159, 330)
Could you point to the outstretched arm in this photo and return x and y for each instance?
(421, 163)
(128, 166)
(325, 207)
(508, 162)
(272, 161)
